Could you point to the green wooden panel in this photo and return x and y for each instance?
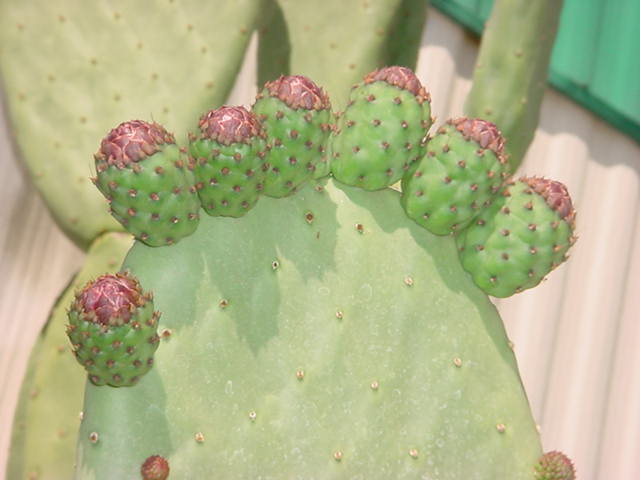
(616, 77)
(595, 59)
(577, 40)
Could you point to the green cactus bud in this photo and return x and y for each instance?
(229, 160)
(523, 235)
(296, 114)
(464, 167)
(149, 185)
(555, 466)
(112, 328)
(380, 133)
(155, 468)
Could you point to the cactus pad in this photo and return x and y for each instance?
(229, 158)
(296, 114)
(322, 335)
(112, 328)
(520, 238)
(380, 133)
(464, 167)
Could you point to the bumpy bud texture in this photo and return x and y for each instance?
(228, 159)
(112, 329)
(296, 114)
(155, 468)
(555, 466)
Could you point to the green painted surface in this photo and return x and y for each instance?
(594, 58)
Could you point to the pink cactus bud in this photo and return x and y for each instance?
(110, 299)
(483, 132)
(555, 194)
(400, 77)
(555, 466)
(227, 125)
(298, 91)
(131, 142)
(155, 468)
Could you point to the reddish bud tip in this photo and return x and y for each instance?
(483, 132)
(555, 466)
(110, 299)
(401, 77)
(555, 194)
(155, 468)
(227, 125)
(132, 142)
(298, 91)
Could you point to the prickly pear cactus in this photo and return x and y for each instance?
(323, 334)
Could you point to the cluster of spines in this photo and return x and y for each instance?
(229, 158)
(380, 134)
(113, 329)
(296, 114)
(464, 167)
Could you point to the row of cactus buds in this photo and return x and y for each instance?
(113, 330)
(155, 189)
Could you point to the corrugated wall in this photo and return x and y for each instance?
(576, 336)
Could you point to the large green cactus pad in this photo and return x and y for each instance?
(324, 335)
(47, 418)
(335, 48)
(73, 69)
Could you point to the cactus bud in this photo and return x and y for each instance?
(112, 328)
(555, 466)
(155, 468)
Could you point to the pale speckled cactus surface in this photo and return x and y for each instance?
(73, 69)
(323, 335)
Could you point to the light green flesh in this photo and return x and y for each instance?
(408, 312)
(48, 416)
